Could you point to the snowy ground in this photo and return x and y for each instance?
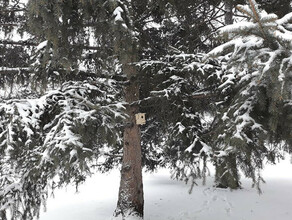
(167, 199)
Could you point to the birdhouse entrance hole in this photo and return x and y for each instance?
(140, 119)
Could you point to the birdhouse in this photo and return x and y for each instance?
(141, 119)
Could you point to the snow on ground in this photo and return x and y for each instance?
(167, 199)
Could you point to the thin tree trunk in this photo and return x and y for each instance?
(3, 215)
(226, 171)
(228, 14)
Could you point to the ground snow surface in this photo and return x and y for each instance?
(167, 199)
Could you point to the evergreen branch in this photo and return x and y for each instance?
(12, 10)
(29, 43)
(286, 19)
(204, 95)
(15, 70)
(253, 8)
(18, 43)
(242, 10)
(9, 24)
(257, 18)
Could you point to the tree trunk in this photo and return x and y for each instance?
(3, 215)
(226, 171)
(131, 198)
(228, 14)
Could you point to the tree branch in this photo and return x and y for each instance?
(6, 70)
(31, 44)
(11, 10)
(19, 43)
(9, 24)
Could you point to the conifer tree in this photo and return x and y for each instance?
(69, 115)
(61, 57)
(14, 52)
(256, 90)
(67, 61)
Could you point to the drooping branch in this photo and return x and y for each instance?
(9, 24)
(204, 95)
(33, 44)
(12, 10)
(6, 70)
(18, 43)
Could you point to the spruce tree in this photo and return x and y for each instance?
(82, 49)
(256, 91)
(14, 58)
(68, 115)
(62, 58)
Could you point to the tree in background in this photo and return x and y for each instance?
(256, 89)
(14, 52)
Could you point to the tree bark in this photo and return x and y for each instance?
(228, 14)
(131, 197)
(3, 215)
(226, 173)
(226, 170)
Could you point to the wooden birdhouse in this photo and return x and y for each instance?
(141, 118)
